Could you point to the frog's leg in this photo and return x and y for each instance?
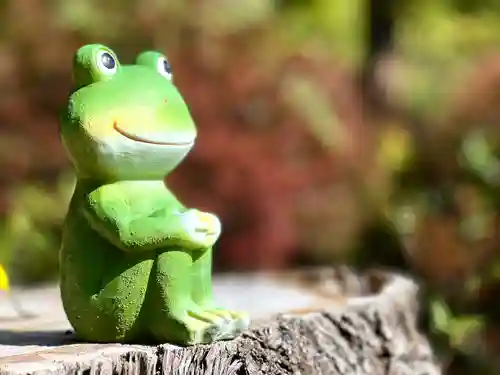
(202, 292)
(108, 310)
(173, 316)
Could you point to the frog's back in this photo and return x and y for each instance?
(102, 287)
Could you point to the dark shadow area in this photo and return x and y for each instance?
(58, 338)
(45, 338)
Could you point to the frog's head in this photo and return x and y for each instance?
(125, 122)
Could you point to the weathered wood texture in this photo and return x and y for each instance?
(337, 322)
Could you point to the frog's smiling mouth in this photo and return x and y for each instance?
(137, 138)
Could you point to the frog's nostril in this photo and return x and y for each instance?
(165, 100)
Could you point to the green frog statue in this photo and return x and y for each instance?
(136, 264)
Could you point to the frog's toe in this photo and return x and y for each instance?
(206, 327)
(220, 312)
(240, 320)
(210, 317)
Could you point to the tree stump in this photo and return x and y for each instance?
(317, 321)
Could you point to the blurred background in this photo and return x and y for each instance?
(355, 132)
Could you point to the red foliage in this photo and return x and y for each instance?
(254, 156)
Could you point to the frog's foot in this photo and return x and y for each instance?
(205, 327)
(239, 320)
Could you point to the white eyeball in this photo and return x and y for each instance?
(164, 68)
(106, 63)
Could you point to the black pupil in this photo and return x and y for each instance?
(107, 61)
(166, 66)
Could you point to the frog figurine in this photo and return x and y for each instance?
(135, 263)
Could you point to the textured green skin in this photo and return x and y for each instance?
(136, 265)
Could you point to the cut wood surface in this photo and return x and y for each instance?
(317, 321)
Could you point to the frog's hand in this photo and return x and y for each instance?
(199, 229)
(4, 279)
(152, 223)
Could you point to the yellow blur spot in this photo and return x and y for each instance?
(395, 148)
(4, 279)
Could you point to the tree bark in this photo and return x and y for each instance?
(357, 324)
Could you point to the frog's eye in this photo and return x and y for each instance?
(106, 62)
(156, 60)
(164, 67)
(93, 63)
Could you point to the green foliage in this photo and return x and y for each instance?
(338, 26)
(31, 233)
(462, 332)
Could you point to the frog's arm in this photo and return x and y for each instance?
(144, 219)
